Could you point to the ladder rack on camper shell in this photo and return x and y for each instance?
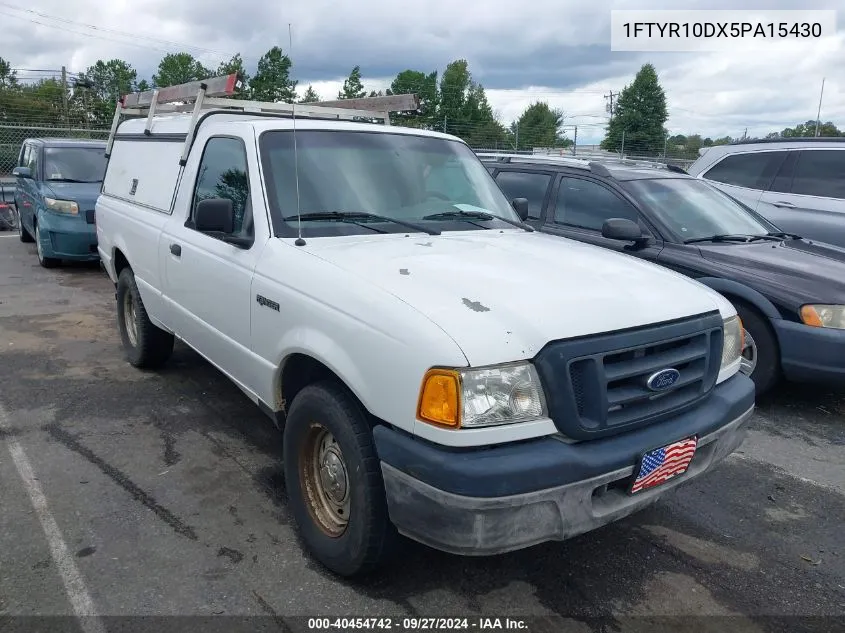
(211, 94)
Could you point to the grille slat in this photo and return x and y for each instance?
(597, 386)
(654, 362)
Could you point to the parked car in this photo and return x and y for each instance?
(797, 183)
(58, 181)
(8, 213)
(788, 291)
(439, 369)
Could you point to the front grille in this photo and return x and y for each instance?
(596, 386)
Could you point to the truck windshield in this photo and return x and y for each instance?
(694, 209)
(74, 164)
(425, 180)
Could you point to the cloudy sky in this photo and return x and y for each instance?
(558, 51)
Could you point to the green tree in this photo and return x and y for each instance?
(808, 129)
(640, 113)
(310, 96)
(8, 77)
(539, 126)
(464, 109)
(236, 65)
(272, 80)
(179, 68)
(352, 86)
(425, 87)
(143, 86)
(100, 87)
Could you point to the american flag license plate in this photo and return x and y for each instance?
(663, 463)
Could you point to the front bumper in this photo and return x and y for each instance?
(537, 504)
(811, 354)
(69, 237)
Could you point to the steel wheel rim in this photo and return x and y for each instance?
(129, 318)
(748, 360)
(325, 481)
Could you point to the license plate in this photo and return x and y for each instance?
(664, 463)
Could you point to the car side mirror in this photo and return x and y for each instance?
(22, 172)
(214, 215)
(623, 229)
(520, 205)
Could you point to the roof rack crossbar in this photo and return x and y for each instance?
(214, 94)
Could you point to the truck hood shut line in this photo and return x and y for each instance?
(504, 295)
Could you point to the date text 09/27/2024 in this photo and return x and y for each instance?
(416, 624)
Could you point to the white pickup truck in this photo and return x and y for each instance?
(439, 370)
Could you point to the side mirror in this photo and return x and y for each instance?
(623, 229)
(22, 172)
(215, 215)
(520, 205)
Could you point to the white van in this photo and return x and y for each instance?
(439, 369)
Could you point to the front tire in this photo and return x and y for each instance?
(146, 345)
(334, 482)
(761, 355)
(46, 262)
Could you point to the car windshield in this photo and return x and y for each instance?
(74, 164)
(397, 176)
(694, 209)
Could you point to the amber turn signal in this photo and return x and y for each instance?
(439, 398)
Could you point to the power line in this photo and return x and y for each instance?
(134, 36)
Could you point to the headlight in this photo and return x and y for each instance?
(489, 396)
(824, 316)
(62, 206)
(734, 341)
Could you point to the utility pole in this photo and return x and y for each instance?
(609, 106)
(819, 113)
(575, 141)
(64, 94)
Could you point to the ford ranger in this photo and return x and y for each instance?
(439, 370)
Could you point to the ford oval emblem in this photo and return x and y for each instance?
(663, 379)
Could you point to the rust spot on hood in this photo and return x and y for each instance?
(476, 306)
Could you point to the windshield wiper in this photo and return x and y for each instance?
(722, 238)
(71, 180)
(357, 215)
(477, 215)
(784, 235)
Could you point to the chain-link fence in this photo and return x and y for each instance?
(12, 137)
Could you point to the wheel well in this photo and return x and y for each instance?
(120, 261)
(301, 370)
(734, 299)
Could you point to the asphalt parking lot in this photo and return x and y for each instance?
(166, 495)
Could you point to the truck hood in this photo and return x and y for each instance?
(502, 296)
(85, 194)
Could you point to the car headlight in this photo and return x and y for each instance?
(734, 341)
(62, 206)
(487, 396)
(824, 316)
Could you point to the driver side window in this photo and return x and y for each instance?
(586, 204)
(223, 173)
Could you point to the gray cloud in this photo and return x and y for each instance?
(558, 51)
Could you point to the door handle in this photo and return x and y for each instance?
(176, 250)
(783, 204)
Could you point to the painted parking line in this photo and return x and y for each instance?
(77, 592)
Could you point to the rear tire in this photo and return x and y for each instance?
(146, 345)
(761, 356)
(334, 482)
(23, 234)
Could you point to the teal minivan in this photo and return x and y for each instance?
(58, 183)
